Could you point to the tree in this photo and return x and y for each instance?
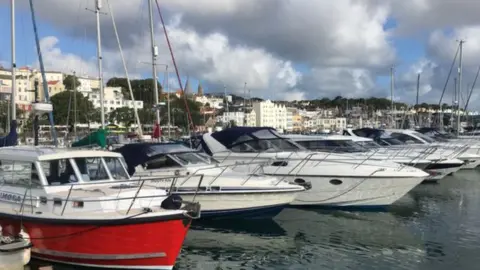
(70, 81)
(142, 89)
(4, 106)
(86, 111)
(122, 115)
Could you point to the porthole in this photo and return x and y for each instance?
(299, 181)
(336, 182)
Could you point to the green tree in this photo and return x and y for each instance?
(86, 111)
(122, 115)
(70, 81)
(142, 89)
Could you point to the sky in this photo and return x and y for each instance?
(281, 49)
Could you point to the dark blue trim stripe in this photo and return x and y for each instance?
(254, 212)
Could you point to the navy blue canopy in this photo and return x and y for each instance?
(372, 133)
(139, 153)
(231, 136)
(11, 138)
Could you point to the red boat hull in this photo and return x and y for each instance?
(147, 244)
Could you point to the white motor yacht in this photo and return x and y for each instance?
(443, 163)
(445, 149)
(223, 192)
(337, 180)
(345, 144)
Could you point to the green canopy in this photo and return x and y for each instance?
(98, 137)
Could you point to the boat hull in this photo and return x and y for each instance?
(438, 174)
(470, 164)
(107, 245)
(355, 192)
(241, 204)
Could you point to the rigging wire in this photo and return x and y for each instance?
(190, 125)
(440, 116)
(471, 90)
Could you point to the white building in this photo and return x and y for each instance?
(213, 102)
(113, 99)
(239, 118)
(337, 123)
(269, 114)
(290, 121)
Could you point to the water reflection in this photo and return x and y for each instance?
(235, 244)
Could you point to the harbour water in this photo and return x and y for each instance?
(435, 226)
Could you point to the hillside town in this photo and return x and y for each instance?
(215, 111)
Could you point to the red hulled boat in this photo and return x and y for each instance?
(80, 207)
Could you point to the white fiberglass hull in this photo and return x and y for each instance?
(355, 192)
(438, 174)
(252, 204)
(471, 164)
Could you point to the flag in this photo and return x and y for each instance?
(157, 132)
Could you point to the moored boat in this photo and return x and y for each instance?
(76, 211)
(337, 180)
(223, 192)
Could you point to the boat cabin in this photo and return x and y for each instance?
(46, 179)
(250, 140)
(174, 158)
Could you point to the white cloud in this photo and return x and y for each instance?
(55, 59)
(235, 41)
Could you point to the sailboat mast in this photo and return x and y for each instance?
(459, 85)
(14, 67)
(154, 62)
(391, 98)
(98, 6)
(42, 70)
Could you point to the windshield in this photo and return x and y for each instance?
(389, 141)
(332, 145)
(93, 169)
(368, 144)
(424, 137)
(273, 145)
(189, 158)
(208, 158)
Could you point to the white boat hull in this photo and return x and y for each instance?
(471, 165)
(257, 204)
(438, 174)
(355, 192)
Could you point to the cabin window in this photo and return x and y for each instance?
(188, 158)
(116, 168)
(161, 162)
(404, 137)
(92, 169)
(59, 172)
(18, 173)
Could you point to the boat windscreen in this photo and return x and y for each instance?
(189, 159)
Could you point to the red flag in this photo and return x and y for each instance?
(157, 132)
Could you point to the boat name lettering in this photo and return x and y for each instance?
(162, 180)
(10, 197)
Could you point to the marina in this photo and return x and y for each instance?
(105, 172)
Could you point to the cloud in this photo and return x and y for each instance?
(341, 45)
(333, 33)
(55, 59)
(441, 48)
(336, 81)
(417, 16)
